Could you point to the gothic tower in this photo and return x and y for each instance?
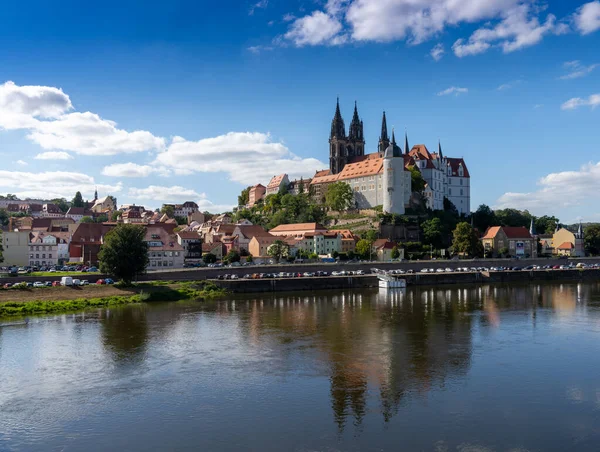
(356, 138)
(338, 143)
(393, 181)
(384, 139)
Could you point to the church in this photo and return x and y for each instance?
(384, 177)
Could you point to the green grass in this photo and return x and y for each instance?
(40, 274)
(146, 292)
(44, 307)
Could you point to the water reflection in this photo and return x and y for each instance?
(460, 359)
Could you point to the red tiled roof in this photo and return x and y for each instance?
(249, 231)
(322, 173)
(298, 227)
(276, 181)
(188, 235)
(455, 163)
(510, 232)
(367, 167)
(566, 246)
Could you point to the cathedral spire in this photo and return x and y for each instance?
(338, 129)
(406, 148)
(384, 139)
(393, 137)
(440, 150)
(356, 128)
(96, 194)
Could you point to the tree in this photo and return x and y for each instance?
(301, 186)
(278, 250)
(371, 235)
(124, 253)
(363, 248)
(1, 249)
(433, 233)
(450, 207)
(395, 252)
(87, 219)
(417, 181)
(168, 210)
(102, 218)
(4, 217)
(115, 215)
(513, 217)
(249, 259)
(209, 258)
(244, 197)
(339, 196)
(61, 203)
(335, 254)
(546, 224)
(483, 218)
(465, 240)
(591, 239)
(232, 256)
(78, 200)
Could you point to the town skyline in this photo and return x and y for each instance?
(522, 117)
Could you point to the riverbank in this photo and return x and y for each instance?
(62, 299)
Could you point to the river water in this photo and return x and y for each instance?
(491, 368)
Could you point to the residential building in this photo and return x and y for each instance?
(299, 186)
(16, 248)
(382, 249)
(349, 241)
(191, 243)
(320, 243)
(298, 229)
(164, 251)
(255, 194)
(77, 213)
(514, 241)
(51, 210)
(86, 241)
(259, 245)
(567, 243)
(245, 233)
(43, 248)
(197, 217)
(215, 248)
(277, 183)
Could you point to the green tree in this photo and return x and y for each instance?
(335, 254)
(363, 248)
(61, 203)
(371, 235)
(450, 207)
(124, 253)
(395, 252)
(209, 258)
(278, 250)
(465, 240)
(103, 218)
(301, 186)
(249, 259)
(232, 256)
(339, 196)
(4, 217)
(244, 197)
(87, 219)
(591, 239)
(417, 181)
(78, 200)
(513, 217)
(546, 224)
(168, 210)
(433, 233)
(115, 215)
(483, 218)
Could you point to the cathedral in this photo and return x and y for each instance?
(383, 177)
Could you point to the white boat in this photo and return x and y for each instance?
(387, 281)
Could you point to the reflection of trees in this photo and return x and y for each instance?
(125, 333)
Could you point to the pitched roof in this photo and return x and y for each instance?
(511, 232)
(249, 231)
(75, 211)
(298, 227)
(367, 167)
(322, 173)
(421, 151)
(188, 235)
(455, 163)
(208, 247)
(276, 181)
(566, 246)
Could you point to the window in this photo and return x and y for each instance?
(49, 256)
(461, 181)
(37, 256)
(450, 191)
(461, 192)
(449, 181)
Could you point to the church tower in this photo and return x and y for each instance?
(338, 143)
(393, 181)
(384, 139)
(356, 138)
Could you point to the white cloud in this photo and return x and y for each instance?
(155, 192)
(519, 28)
(576, 102)
(52, 184)
(42, 110)
(587, 18)
(247, 157)
(453, 90)
(21, 163)
(262, 4)
(53, 155)
(317, 28)
(258, 49)
(128, 170)
(509, 85)
(206, 205)
(558, 191)
(577, 70)
(437, 52)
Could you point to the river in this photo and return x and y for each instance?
(489, 368)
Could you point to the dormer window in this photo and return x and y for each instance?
(460, 171)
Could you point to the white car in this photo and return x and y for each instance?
(39, 284)
(84, 282)
(424, 270)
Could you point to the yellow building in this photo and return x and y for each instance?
(567, 243)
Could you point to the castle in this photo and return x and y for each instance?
(383, 177)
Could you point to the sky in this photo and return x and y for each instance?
(156, 102)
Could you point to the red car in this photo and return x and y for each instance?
(100, 281)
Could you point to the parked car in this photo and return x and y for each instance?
(100, 282)
(109, 281)
(77, 282)
(39, 284)
(84, 282)
(66, 281)
(48, 283)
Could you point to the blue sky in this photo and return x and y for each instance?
(199, 99)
